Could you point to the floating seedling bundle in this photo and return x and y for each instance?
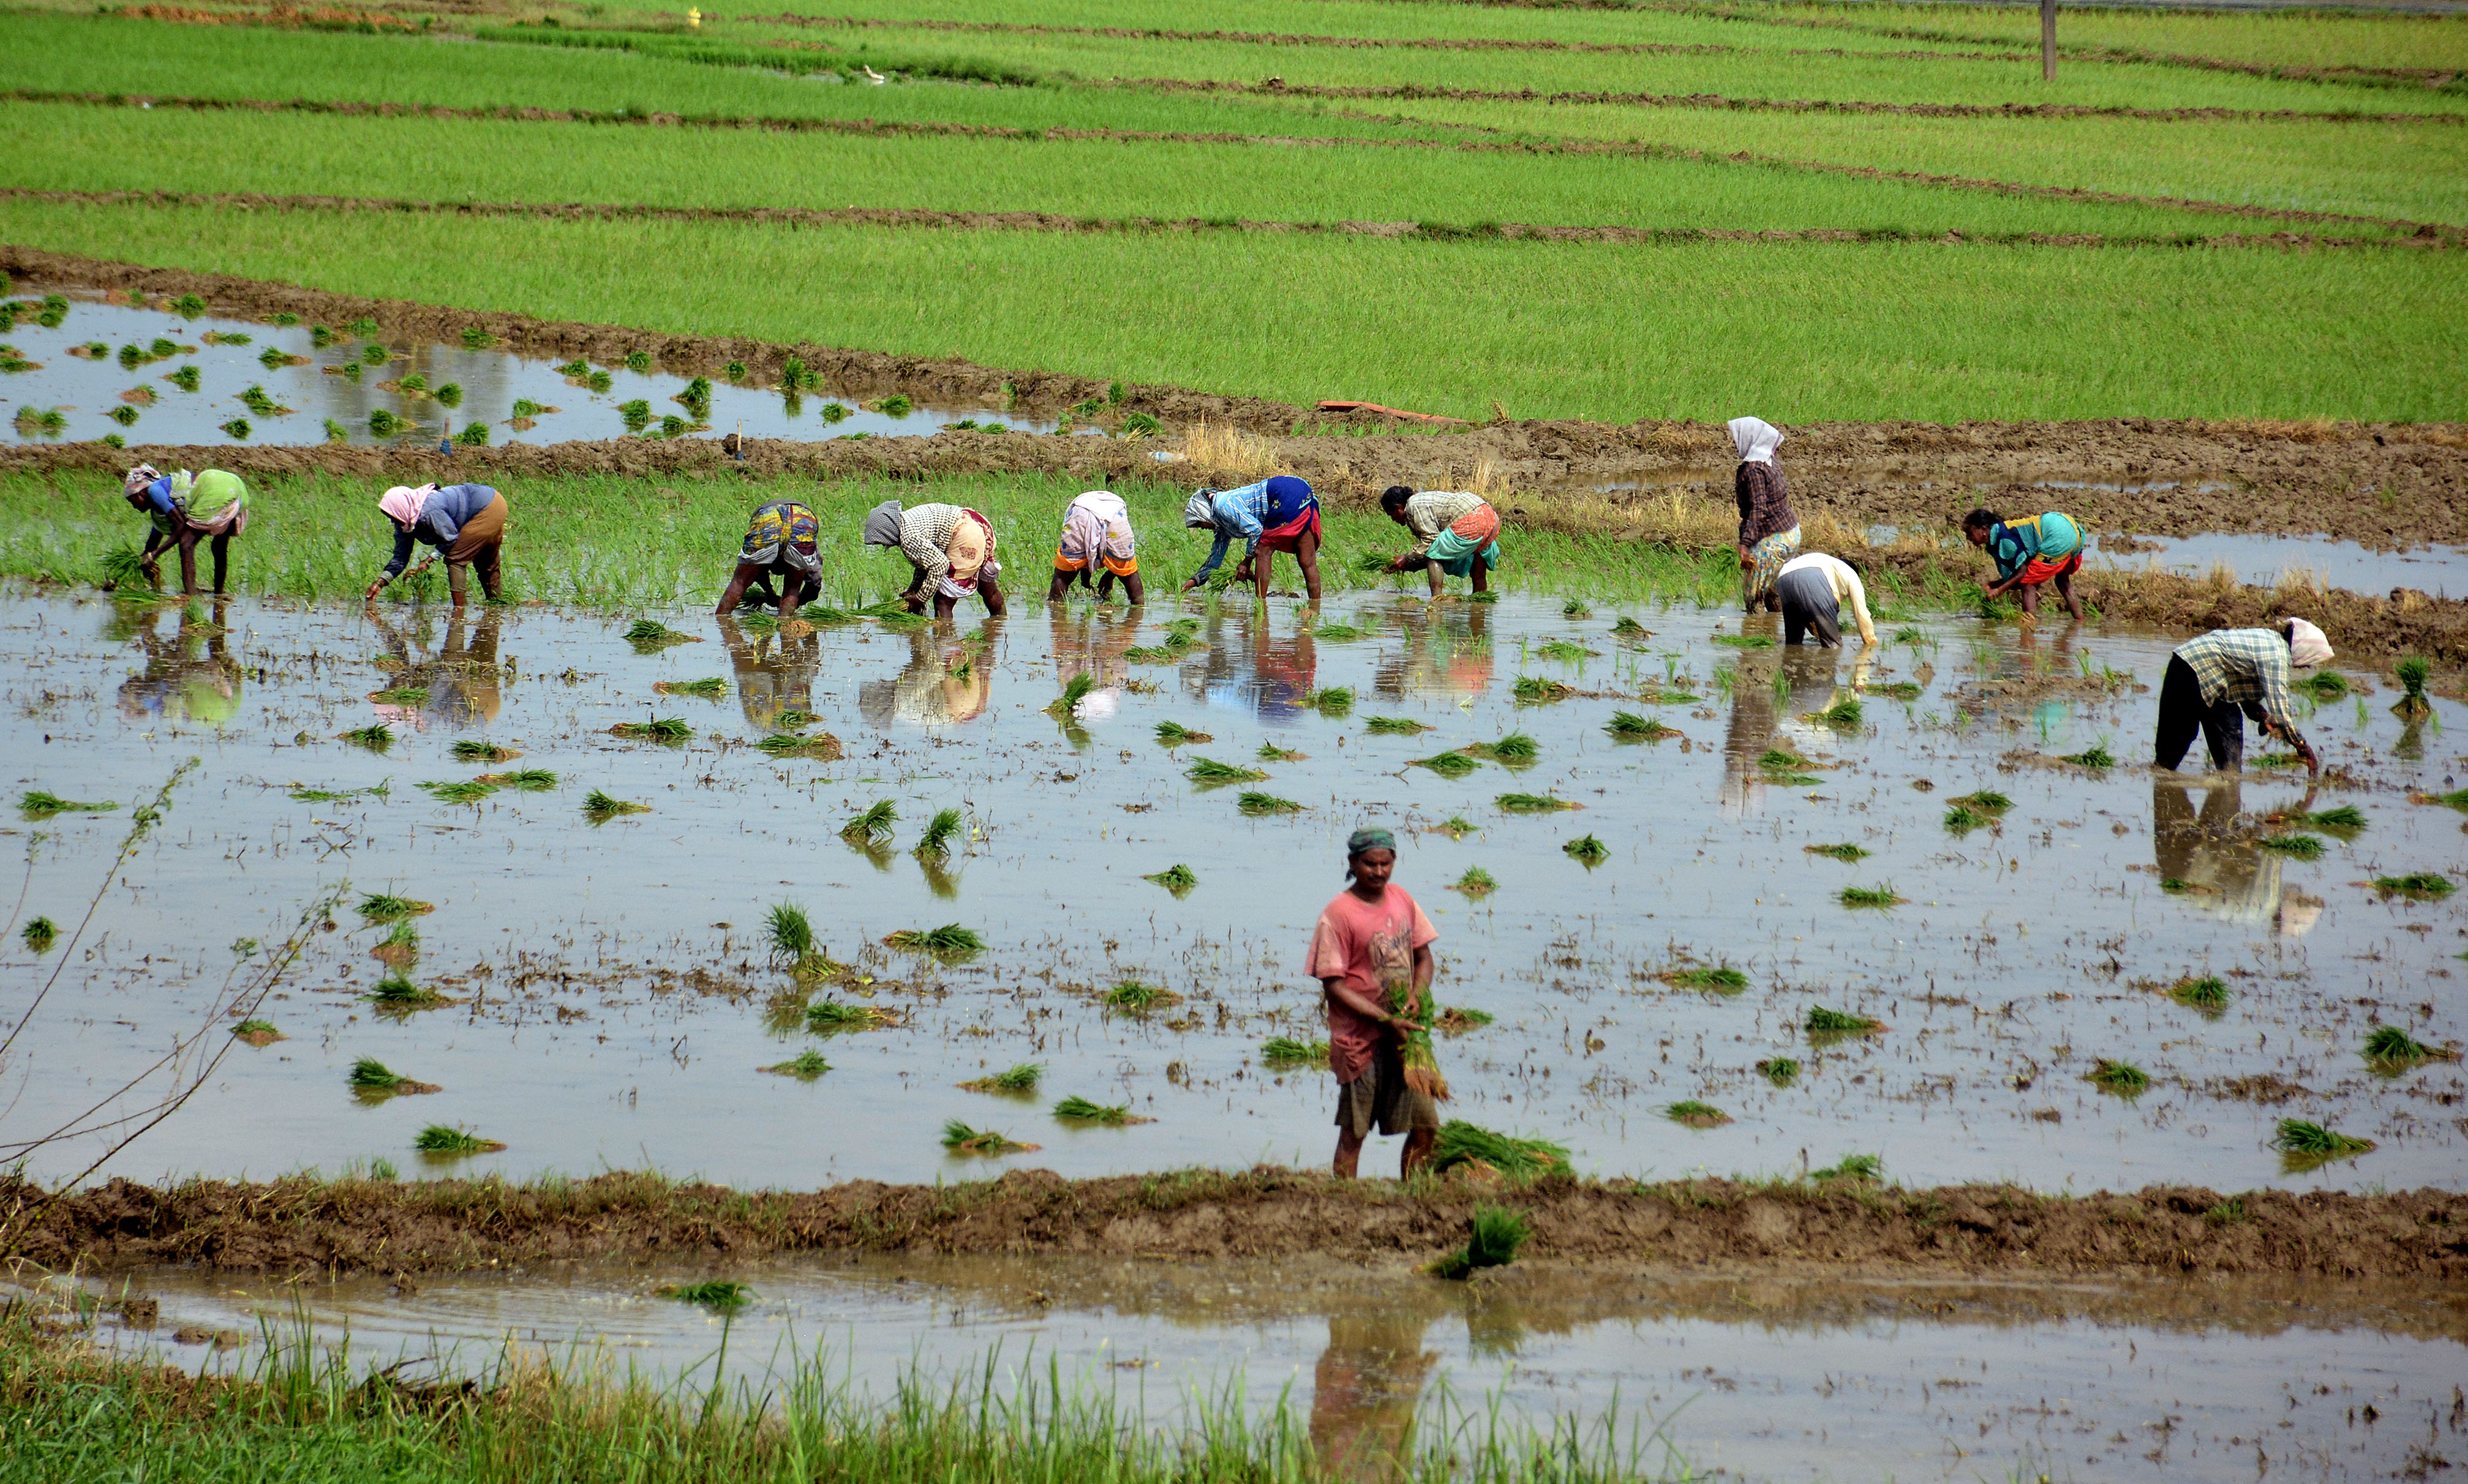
(1258, 804)
(1021, 1079)
(1781, 1071)
(789, 938)
(1533, 803)
(949, 941)
(1177, 878)
(668, 730)
(1629, 727)
(43, 804)
(873, 822)
(1844, 851)
(805, 1066)
(829, 1017)
(2209, 994)
(1689, 1112)
(2096, 758)
(823, 748)
(528, 780)
(41, 935)
(1786, 770)
(440, 1140)
(650, 633)
(1458, 1020)
(1586, 851)
(1271, 752)
(1711, 978)
(2420, 885)
(1536, 691)
(961, 1140)
(1284, 1053)
(1884, 896)
(470, 751)
(721, 1294)
(1476, 883)
(384, 907)
(458, 792)
(1517, 1161)
(371, 1078)
(2304, 1145)
(1394, 726)
(2413, 671)
(1447, 765)
(396, 994)
(709, 688)
(600, 808)
(2124, 1079)
(1208, 772)
(2392, 1049)
(1494, 1236)
(1079, 1109)
(1824, 1022)
(1134, 999)
(1514, 750)
(1334, 700)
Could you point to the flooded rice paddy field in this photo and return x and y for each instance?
(611, 1002)
(79, 370)
(1774, 1377)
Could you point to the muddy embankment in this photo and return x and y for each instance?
(2383, 486)
(306, 1225)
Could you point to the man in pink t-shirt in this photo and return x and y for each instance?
(1371, 941)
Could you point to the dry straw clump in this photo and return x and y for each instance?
(1229, 453)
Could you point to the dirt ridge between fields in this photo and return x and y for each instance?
(306, 1225)
(873, 129)
(896, 216)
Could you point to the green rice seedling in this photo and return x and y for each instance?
(1629, 727)
(649, 633)
(1628, 628)
(788, 937)
(1079, 1109)
(1493, 1237)
(824, 747)
(2209, 994)
(43, 804)
(1845, 850)
(873, 822)
(1457, 827)
(1334, 700)
(1447, 765)
(475, 338)
(383, 907)
(961, 1140)
(2327, 685)
(526, 410)
(1210, 771)
(1713, 979)
(1514, 750)
(1894, 690)
(1781, 1071)
(1745, 641)
(1141, 424)
(1825, 1021)
(377, 737)
(670, 730)
(1862, 1168)
(2226, 1213)
(1693, 1114)
(1575, 607)
(710, 687)
(124, 567)
(439, 1139)
(639, 361)
(735, 371)
(369, 1075)
(365, 327)
(1962, 820)
(1563, 651)
(2095, 756)
(1176, 878)
(321, 337)
(38, 421)
(400, 946)
(895, 406)
(1475, 884)
(1987, 801)
(1256, 804)
(1134, 999)
(600, 380)
(336, 433)
(1271, 752)
(949, 941)
(1586, 851)
(696, 396)
(2424, 885)
(1063, 707)
(2304, 847)
(351, 374)
(1338, 633)
(806, 1065)
(273, 358)
(2344, 821)
(2413, 671)
(1394, 726)
(636, 413)
(2122, 1077)
(383, 424)
(256, 400)
(257, 1033)
(400, 695)
(1536, 691)
(1457, 1019)
(1517, 1161)
(124, 415)
(2178, 886)
(459, 792)
(1022, 1077)
(395, 993)
(940, 831)
(41, 935)
(187, 379)
(1844, 715)
(1532, 804)
(2304, 1145)
(1871, 896)
(829, 1017)
(472, 750)
(114, 441)
(474, 435)
(672, 426)
(1284, 1053)
(161, 349)
(600, 808)
(1785, 769)
(187, 306)
(2390, 1048)
(721, 1294)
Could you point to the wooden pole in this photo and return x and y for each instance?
(2048, 40)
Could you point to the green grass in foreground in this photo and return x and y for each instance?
(1546, 329)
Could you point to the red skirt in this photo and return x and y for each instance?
(2037, 571)
(1289, 536)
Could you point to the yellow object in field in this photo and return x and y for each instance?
(694, 18)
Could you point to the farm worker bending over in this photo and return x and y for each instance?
(951, 547)
(1454, 534)
(1273, 515)
(1372, 949)
(177, 504)
(2213, 677)
(1769, 530)
(1812, 587)
(467, 524)
(1097, 532)
(2029, 553)
(779, 543)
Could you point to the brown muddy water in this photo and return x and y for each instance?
(1765, 1379)
(611, 1002)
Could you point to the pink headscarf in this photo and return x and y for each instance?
(402, 504)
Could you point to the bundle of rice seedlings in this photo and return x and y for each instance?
(1781, 1071)
(2324, 685)
(43, 804)
(458, 792)
(439, 1139)
(1586, 851)
(1079, 1109)
(37, 421)
(1517, 1161)
(1786, 770)
(124, 566)
(1476, 883)
(711, 687)
(1871, 896)
(788, 937)
(1394, 726)
(1283, 1052)
(805, 1066)
(2178, 886)
(650, 633)
(383, 424)
(1492, 1238)
(600, 808)
(1141, 424)
(1862, 1168)
(469, 751)
(2307, 1144)
(1421, 1061)
(400, 695)
(1562, 649)
(2304, 847)
(2420, 884)
(1629, 727)
(1447, 765)
(2387, 1046)
(371, 1078)
(1745, 641)
(1257, 804)
(1134, 999)
(2209, 994)
(257, 1032)
(1338, 633)
(829, 1016)
(1176, 878)
(1845, 850)
(873, 822)
(1533, 803)
(1987, 801)
(1271, 752)
(399, 948)
(2095, 756)
(1693, 1114)
(1210, 771)
(961, 1140)
(1018, 1078)
(1962, 821)
(1514, 750)
(669, 730)
(395, 992)
(530, 780)
(718, 1294)
(1843, 716)
(1074, 691)
(940, 831)
(2413, 671)
(1894, 690)
(1458, 1020)
(384, 907)
(256, 400)
(41, 935)
(2344, 821)
(1457, 827)
(949, 941)
(1712, 979)
(1536, 691)
(1824, 1021)
(1628, 628)
(1334, 700)
(2122, 1078)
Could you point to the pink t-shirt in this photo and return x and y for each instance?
(1369, 944)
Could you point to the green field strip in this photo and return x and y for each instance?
(1801, 332)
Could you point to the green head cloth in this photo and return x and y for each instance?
(1369, 838)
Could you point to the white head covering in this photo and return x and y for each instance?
(2307, 644)
(1200, 511)
(139, 478)
(882, 524)
(1756, 438)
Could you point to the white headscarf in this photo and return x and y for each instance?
(882, 524)
(1756, 438)
(1200, 511)
(2307, 644)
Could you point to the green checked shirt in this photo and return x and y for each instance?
(2243, 666)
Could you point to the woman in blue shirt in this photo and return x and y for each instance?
(2029, 553)
(466, 523)
(1275, 514)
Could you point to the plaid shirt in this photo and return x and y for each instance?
(1434, 510)
(1764, 503)
(926, 537)
(2245, 666)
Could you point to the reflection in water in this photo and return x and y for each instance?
(1367, 1386)
(1446, 652)
(948, 680)
(2214, 854)
(1248, 667)
(1091, 642)
(461, 678)
(774, 673)
(190, 674)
